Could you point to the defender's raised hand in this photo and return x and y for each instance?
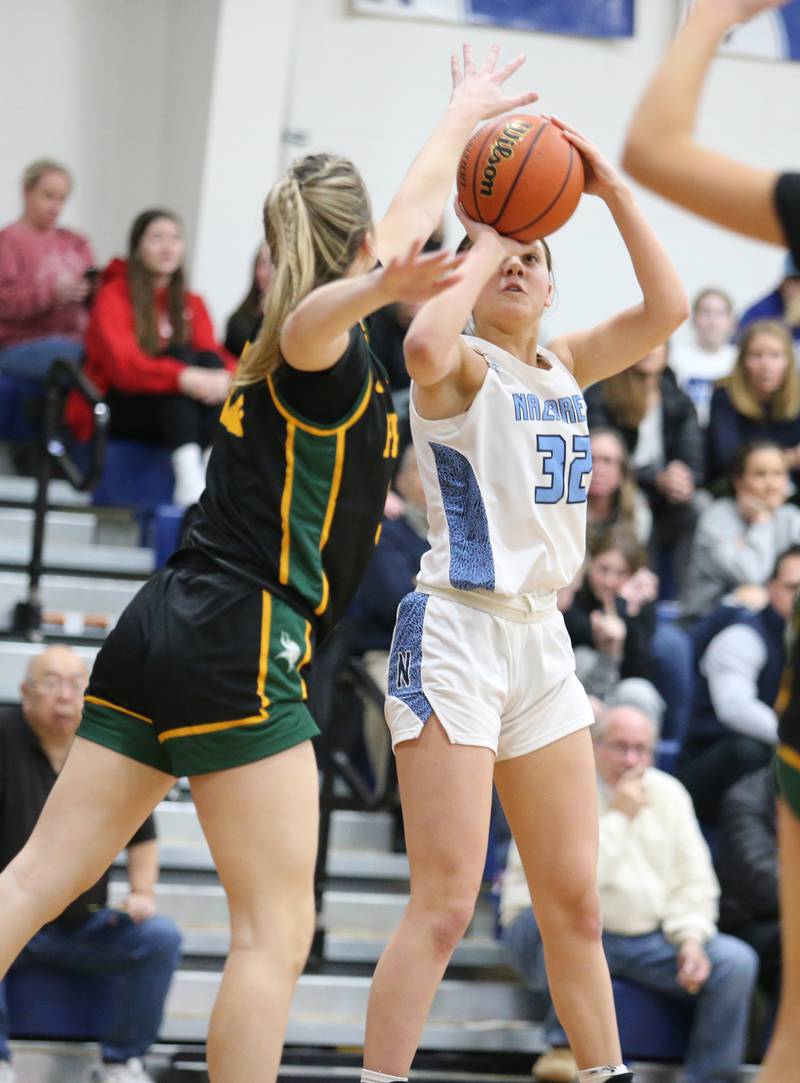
(480, 90)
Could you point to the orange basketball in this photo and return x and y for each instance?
(521, 176)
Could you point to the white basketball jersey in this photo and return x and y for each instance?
(506, 481)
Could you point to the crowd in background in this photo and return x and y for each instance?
(693, 549)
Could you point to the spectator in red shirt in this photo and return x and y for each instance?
(43, 279)
(151, 350)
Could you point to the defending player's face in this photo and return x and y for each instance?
(45, 201)
(520, 290)
(161, 247)
(765, 364)
(765, 481)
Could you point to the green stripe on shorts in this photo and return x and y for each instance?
(123, 733)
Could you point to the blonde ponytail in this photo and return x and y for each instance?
(315, 220)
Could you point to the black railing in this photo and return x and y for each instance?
(54, 457)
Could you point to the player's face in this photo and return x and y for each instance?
(607, 466)
(161, 247)
(765, 481)
(713, 321)
(765, 364)
(520, 289)
(45, 201)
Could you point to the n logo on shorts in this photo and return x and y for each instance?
(403, 678)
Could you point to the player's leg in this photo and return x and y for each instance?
(261, 821)
(446, 793)
(784, 1051)
(98, 803)
(550, 799)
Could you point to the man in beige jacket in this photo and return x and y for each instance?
(659, 898)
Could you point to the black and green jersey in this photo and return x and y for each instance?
(297, 480)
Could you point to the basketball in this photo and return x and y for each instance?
(521, 176)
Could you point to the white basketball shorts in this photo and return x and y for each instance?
(499, 683)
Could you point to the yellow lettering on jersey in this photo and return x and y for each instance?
(232, 414)
(392, 437)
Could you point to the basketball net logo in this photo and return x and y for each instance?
(404, 669)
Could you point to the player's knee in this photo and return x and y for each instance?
(448, 920)
(574, 911)
(45, 893)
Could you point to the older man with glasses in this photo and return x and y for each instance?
(88, 937)
(659, 899)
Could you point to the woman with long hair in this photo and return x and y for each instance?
(659, 425)
(204, 675)
(481, 676)
(663, 153)
(614, 498)
(151, 350)
(760, 400)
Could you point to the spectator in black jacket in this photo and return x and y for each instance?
(245, 322)
(659, 424)
(747, 866)
(612, 617)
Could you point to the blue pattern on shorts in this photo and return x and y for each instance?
(471, 559)
(405, 660)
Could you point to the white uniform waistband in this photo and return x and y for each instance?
(524, 608)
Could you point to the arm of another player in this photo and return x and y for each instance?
(624, 339)
(416, 209)
(437, 357)
(661, 151)
(315, 335)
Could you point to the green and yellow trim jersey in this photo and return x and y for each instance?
(297, 480)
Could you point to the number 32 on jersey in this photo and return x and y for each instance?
(564, 477)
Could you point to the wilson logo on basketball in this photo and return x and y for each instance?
(503, 147)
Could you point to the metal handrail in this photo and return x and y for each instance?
(61, 377)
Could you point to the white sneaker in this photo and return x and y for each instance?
(7, 1072)
(132, 1071)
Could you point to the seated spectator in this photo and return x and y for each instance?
(747, 866)
(733, 727)
(87, 938)
(710, 355)
(614, 498)
(659, 901)
(659, 426)
(245, 322)
(390, 575)
(45, 279)
(738, 538)
(782, 304)
(760, 400)
(612, 617)
(151, 351)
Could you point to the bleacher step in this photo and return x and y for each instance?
(96, 559)
(68, 594)
(18, 491)
(66, 528)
